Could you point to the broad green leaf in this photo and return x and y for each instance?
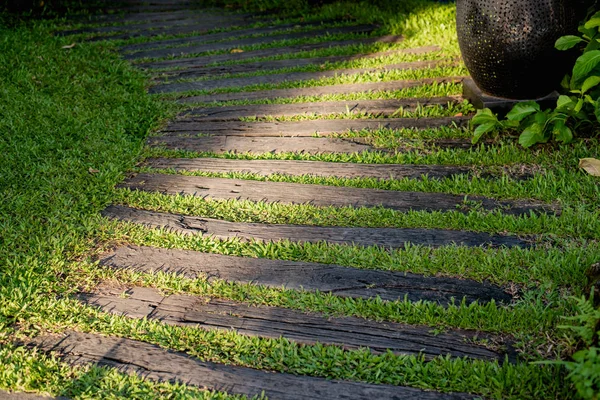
(564, 103)
(590, 165)
(566, 82)
(484, 116)
(532, 135)
(590, 83)
(597, 111)
(567, 42)
(592, 23)
(562, 132)
(482, 130)
(584, 65)
(578, 106)
(522, 110)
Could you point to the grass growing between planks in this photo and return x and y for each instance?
(72, 124)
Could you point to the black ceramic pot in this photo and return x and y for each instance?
(508, 45)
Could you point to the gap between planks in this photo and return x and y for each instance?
(155, 363)
(349, 333)
(389, 238)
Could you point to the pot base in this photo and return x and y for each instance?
(500, 105)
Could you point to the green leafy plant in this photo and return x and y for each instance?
(584, 369)
(578, 109)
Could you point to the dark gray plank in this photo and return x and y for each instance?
(311, 168)
(241, 82)
(155, 363)
(251, 67)
(288, 50)
(318, 90)
(326, 278)
(320, 195)
(274, 322)
(372, 107)
(384, 237)
(307, 128)
(252, 41)
(213, 37)
(260, 145)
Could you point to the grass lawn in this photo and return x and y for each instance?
(72, 125)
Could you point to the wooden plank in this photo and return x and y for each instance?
(307, 128)
(275, 322)
(227, 35)
(321, 195)
(156, 363)
(318, 90)
(260, 145)
(287, 51)
(295, 275)
(310, 168)
(26, 396)
(383, 237)
(251, 67)
(374, 108)
(241, 82)
(252, 41)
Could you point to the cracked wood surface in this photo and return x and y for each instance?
(248, 231)
(214, 83)
(320, 195)
(326, 278)
(274, 322)
(373, 108)
(153, 362)
(310, 168)
(307, 128)
(350, 88)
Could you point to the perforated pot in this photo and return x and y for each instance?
(508, 45)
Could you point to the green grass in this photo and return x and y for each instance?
(73, 123)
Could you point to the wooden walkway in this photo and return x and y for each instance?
(196, 68)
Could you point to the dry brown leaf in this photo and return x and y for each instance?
(93, 171)
(70, 46)
(458, 115)
(590, 165)
(236, 51)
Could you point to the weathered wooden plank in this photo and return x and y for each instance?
(326, 278)
(252, 41)
(224, 144)
(213, 84)
(307, 128)
(213, 37)
(159, 364)
(384, 237)
(204, 72)
(371, 107)
(318, 90)
(320, 195)
(274, 322)
(288, 50)
(26, 396)
(310, 168)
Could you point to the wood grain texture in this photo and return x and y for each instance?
(275, 322)
(268, 65)
(310, 168)
(307, 128)
(155, 363)
(318, 90)
(375, 108)
(287, 50)
(383, 237)
(319, 195)
(214, 84)
(326, 278)
(251, 41)
(260, 145)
